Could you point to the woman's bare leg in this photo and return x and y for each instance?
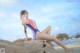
(47, 30)
(43, 36)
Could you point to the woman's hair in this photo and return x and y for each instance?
(23, 12)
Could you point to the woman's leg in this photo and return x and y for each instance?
(43, 36)
(47, 30)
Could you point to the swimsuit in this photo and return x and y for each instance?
(31, 24)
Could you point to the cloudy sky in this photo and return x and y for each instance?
(62, 15)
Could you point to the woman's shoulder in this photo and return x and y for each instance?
(32, 20)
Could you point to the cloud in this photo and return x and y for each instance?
(15, 16)
(2, 14)
(9, 25)
(12, 21)
(56, 9)
(43, 20)
(58, 28)
(47, 9)
(8, 2)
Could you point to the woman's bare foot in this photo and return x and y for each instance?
(68, 49)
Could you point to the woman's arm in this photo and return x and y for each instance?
(24, 21)
(25, 31)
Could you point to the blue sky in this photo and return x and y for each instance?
(62, 15)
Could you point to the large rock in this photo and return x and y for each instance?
(33, 46)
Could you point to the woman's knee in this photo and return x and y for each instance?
(49, 27)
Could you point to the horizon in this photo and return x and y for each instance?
(62, 15)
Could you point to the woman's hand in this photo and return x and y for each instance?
(24, 21)
(28, 39)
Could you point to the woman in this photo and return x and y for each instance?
(44, 35)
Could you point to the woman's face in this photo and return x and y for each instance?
(26, 15)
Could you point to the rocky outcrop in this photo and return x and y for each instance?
(33, 46)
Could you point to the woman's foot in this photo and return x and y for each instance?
(68, 49)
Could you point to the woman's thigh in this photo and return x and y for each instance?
(47, 30)
(43, 36)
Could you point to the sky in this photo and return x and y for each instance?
(62, 15)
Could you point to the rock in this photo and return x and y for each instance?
(33, 46)
(23, 40)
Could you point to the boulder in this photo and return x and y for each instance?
(33, 46)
